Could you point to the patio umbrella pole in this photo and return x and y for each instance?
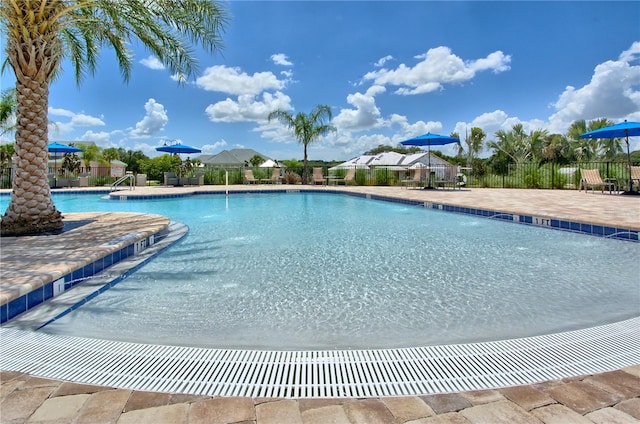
(428, 186)
(630, 191)
(620, 130)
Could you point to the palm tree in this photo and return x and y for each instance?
(90, 153)
(40, 34)
(7, 110)
(518, 145)
(306, 128)
(588, 149)
(474, 142)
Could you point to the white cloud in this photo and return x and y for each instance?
(439, 66)
(152, 62)
(612, 93)
(281, 59)
(408, 130)
(76, 120)
(214, 148)
(366, 115)
(153, 122)
(233, 81)
(101, 138)
(248, 107)
(380, 63)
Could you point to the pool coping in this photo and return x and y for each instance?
(357, 373)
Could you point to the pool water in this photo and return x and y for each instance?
(299, 271)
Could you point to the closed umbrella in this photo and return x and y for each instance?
(429, 140)
(623, 129)
(59, 148)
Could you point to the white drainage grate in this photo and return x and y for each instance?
(322, 374)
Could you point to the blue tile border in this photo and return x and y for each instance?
(624, 234)
(41, 294)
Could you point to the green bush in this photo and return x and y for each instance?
(382, 177)
(532, 178)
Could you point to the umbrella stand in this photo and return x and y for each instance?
(630, 191)
(622, 129)
(427, 140)
(429, 186)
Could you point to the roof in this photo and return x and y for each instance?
(391, 160)
(237, 157)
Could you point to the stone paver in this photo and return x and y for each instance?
(583, 397)
(499, 412)
(408, 408)
(20, 404)
(450, 402)
(372, 411)
(631, 407)
(141, 400)
(168, 414)
(611, 416)
(334, 414)
(448, 418)
(281, 411)
(559, 414)
(527, 397)
(620, 383)
(480, 397)
(104, 407)
(68, 388)
(222, 410)
(62, 408)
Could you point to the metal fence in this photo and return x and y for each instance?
(524, 175)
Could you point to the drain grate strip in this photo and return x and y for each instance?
(322, 374)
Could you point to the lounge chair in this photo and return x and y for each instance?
(276, 178)
(349, 178)
(590, 178)
(249, 178)
(318, 176)
(416, 178)
(449, 178)
(196, 180)
(635, 175)
(170, 179)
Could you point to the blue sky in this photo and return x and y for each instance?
(389, 71)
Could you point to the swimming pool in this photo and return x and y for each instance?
(326, 271)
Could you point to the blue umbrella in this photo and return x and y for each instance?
(178, 148)
(429, 140)
(59, 148)
(623, 129)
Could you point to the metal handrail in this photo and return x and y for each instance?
(120, 180)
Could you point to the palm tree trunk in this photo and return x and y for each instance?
(304, 166)
(31, 209)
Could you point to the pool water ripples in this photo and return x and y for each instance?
(323, 271)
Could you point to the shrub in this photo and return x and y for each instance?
(382, 177)
(532, 178)
(290, 177)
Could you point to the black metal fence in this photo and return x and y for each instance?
(524, 175)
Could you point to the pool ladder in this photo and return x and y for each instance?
(121, 180)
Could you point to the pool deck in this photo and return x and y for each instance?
(610, 397)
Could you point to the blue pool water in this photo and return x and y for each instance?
(324, 271)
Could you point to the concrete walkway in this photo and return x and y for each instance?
(612, 397)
